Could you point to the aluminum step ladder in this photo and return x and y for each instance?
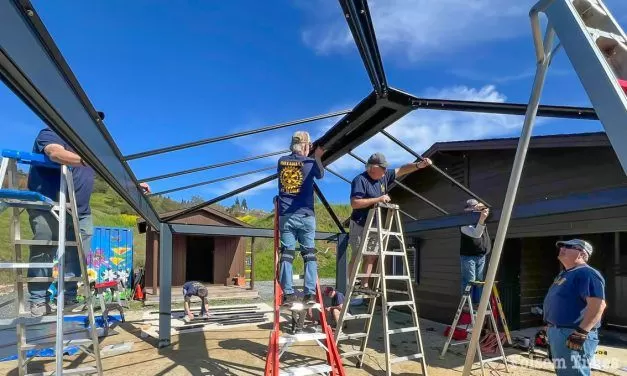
(18, 201)
(382, 228)
(466, 305)
(280, 342)
(597, 49)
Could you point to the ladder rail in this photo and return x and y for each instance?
(61, 270)
(83, 266)
(412, 297)
(383, 242)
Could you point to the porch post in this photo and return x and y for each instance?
(165, 285)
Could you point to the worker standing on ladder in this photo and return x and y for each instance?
(573, 307)
(297, 220)
(474, 246)
(45, 180)
(367, 189)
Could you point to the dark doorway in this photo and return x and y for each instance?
(509, 282)
(199, 260)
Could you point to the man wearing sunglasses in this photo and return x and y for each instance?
(573, 308)
(367, 189)
(297, 220)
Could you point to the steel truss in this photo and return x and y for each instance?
(32, 66)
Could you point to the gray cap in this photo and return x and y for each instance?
(471, 203)
(378, 159)
(577, 243)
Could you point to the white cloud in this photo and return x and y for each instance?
(422, 128)
(426, 29)
(418, 29)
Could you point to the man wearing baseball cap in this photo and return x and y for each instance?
(475, 244)
(573, 307)
(367, 189)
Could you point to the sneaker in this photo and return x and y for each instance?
(289, 299)
(73, 306)
(309, 299)
(41, 309)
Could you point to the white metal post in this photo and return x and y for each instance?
(165, 284)
(61, 269)
(512, 188)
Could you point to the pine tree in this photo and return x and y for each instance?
(244, 205)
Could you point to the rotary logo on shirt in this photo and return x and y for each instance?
(291, 176)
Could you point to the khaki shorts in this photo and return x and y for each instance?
(354, 239)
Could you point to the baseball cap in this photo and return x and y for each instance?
(578, 243)
(300, 136)
(328, 290)
(378, 159)
(471, 203)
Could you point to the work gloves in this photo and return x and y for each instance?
(576, 339)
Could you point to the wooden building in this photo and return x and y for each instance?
(571, 186)
(209, 259)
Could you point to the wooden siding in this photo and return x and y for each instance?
(548, 173)
(228, 255)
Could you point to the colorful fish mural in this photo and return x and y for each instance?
(111, 256)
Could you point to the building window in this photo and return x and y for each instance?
(398, 267)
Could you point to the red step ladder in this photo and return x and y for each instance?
(278, 343)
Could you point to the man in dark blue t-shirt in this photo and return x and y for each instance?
(46, 181)
(367, 189)
(573, 308)
(297, 221)
(337, 302)
(194, 288)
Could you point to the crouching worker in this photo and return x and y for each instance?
(297, 220)
(193, 288)
(337, 302)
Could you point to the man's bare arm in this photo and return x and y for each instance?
(58, 154)
(592, 314)
(411, 167)
(360, 203)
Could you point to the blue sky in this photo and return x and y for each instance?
(166, 74)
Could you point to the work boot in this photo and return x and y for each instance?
(41, 309)
(309, 299)
(289, 299)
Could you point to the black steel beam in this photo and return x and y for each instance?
(326, 204)
(209, 167)
(32, 66)
(582, 113)
(338, 175)
(222, 197)
(231, 136)
(207, 182)
(181, 228)
(360, 24)
(434, 167)
(423, 198)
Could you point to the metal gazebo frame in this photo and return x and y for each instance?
(32, 66)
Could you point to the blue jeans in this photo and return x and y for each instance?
(472, 270)
(569, 362)
(46, 227)
(302, 229)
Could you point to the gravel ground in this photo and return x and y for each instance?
(266, 288)
(7, 307)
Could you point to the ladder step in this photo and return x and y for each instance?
(357, 317)
(44, 242)
(404, 358)
(68, 371)
(45, 345)
(318, 369)
(401, 303)
(27, 319)
(301, 337)
(393, 253)
(26, 265)
(363, 275)
(398, 277)
(298, 306)
(344, 336)
(350, 354)
(403, 330)
(596, 33)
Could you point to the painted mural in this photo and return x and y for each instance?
(111, 257)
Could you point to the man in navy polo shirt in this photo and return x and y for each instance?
(573, 308)
(46, 181)
(337, 301)
(367, 189)
(297, 221)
